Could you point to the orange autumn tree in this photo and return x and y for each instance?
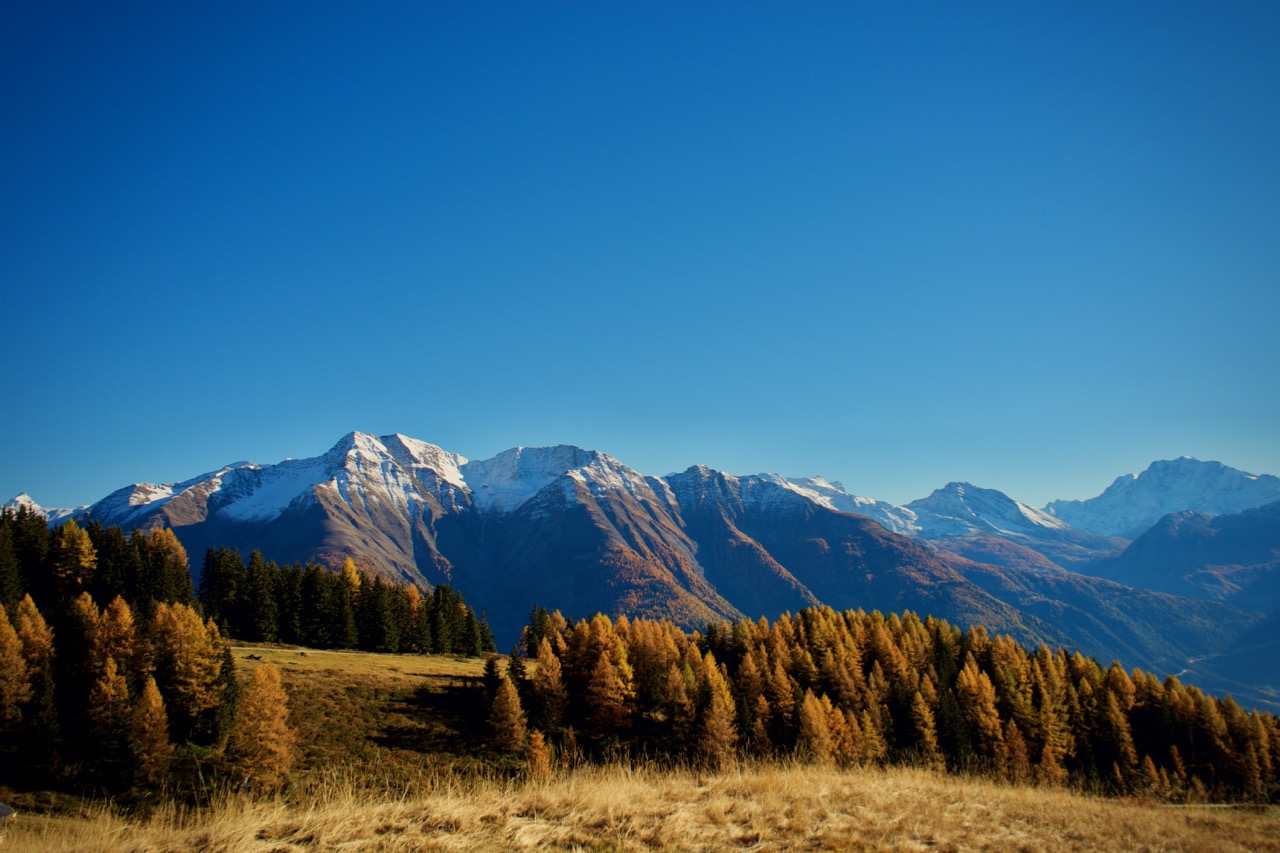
(260, 748)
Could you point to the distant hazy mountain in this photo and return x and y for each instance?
(1227, 557)
(1230, 558)
(577, 530)
(968, 520)
(1134, 502)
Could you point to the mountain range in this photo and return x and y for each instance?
(577, 530)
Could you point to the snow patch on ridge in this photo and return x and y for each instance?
(260, 494)
(834, 496)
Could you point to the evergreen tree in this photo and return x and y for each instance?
(216, 722)
(319, 609)
(11, 586)
(376, 616)
(119, 571)
(343, 628)
(516, 670)
(491, 679)
(262, 615)
(484, 638)
(260, 748)
(221, 580)
(538, 628)
(288, 589)
(31, 538)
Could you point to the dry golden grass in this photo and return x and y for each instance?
(395, 716)
(403, 670)
(758, 807)
(392, 760)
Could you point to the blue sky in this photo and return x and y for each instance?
(1030, 246)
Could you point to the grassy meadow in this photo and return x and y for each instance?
(392, 756)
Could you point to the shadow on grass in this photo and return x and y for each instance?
(449, 716)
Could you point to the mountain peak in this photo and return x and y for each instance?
(963, 509)
(1134, 502)
(22, 499)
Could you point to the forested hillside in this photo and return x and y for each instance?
(113, 676)
(857, 688)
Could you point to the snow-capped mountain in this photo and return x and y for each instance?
(1134, 502)
(962, 509)
(578, 530)
(25, 500)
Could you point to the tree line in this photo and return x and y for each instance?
(312, 606)
(260, 601)
(89, 696)
(859, 688)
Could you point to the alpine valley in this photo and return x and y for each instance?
(1174, 570)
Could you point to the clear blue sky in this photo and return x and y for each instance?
(1028, 245)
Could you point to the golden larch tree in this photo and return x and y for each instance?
(814, 735)
(926, 731)
(507, 719)
(72, 559)
(537, 757)
(149, 735)
(36, 637)
(606, 699)
(260, 748)
(109, 702)
(115, 636)
(548, 688)
(977, 699)
(188, 661)
(15, 683)
(717, 736)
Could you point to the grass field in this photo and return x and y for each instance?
(615, 808)
(392, 758)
